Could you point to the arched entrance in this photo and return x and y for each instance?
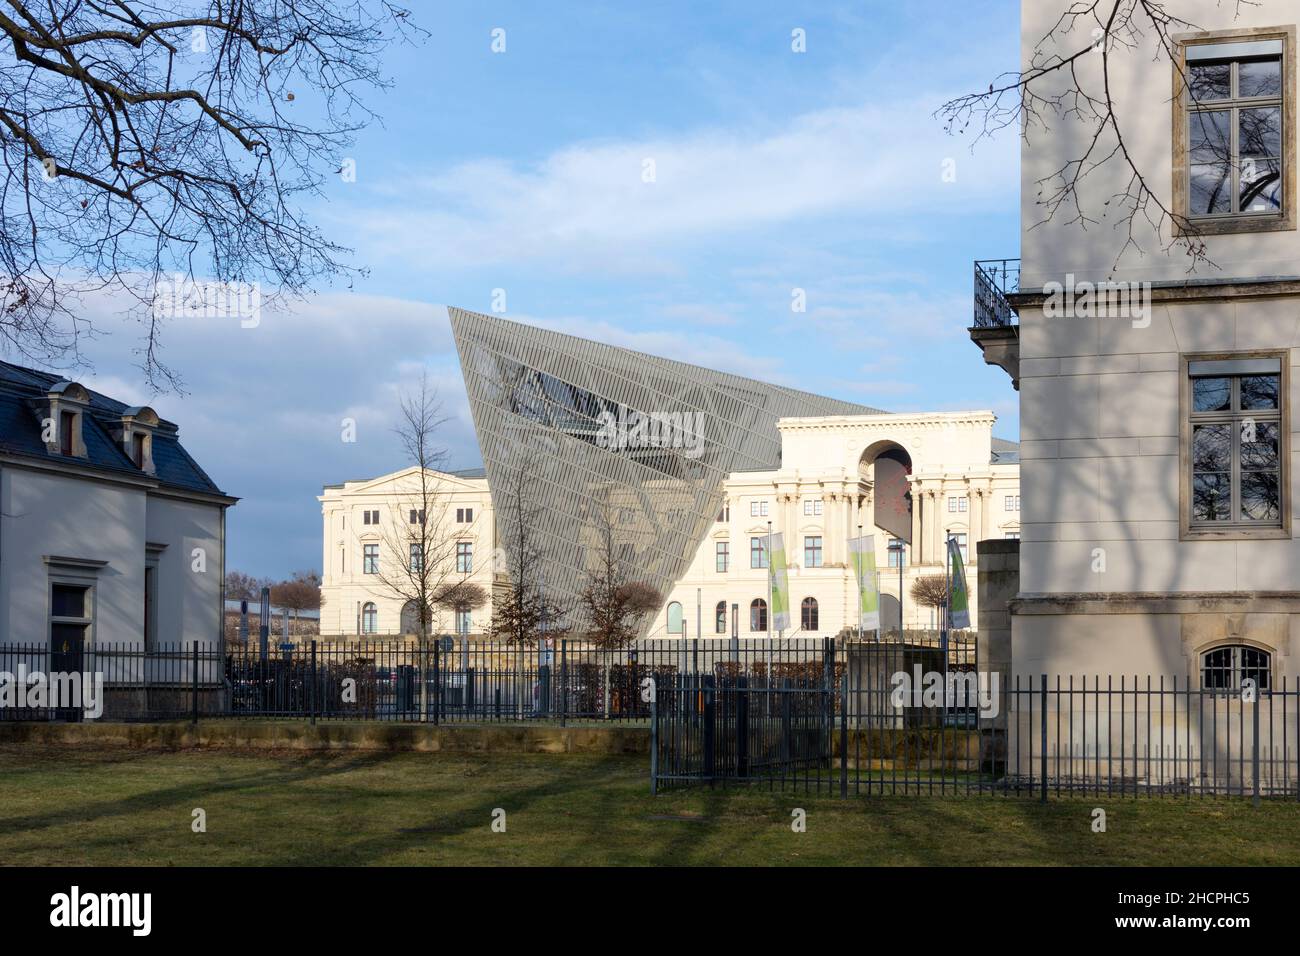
(887, 467)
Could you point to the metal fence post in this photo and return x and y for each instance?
(844, 736)
(564, 684)
(437, 682)
(654, 742)
(1254, 757)
(315, 686)
(1043, 739)
(194, 685)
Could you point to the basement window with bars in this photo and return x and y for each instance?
(1227, 668)
(1235, 445)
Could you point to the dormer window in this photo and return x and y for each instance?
(136, 436)
(63, 418)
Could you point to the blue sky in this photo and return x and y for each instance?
(523, 171)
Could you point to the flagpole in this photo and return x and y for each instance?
(771, 603)
(862, 635)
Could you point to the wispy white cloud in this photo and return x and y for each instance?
(588, 206)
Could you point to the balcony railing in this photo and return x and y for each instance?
(995, 279)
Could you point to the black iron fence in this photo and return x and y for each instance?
(896, 721)
(76, 681)
(446, 680)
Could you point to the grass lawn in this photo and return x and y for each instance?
(76, 806)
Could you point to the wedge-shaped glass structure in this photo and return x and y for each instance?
(607, 436)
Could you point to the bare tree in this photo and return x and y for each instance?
(1059, 85)
(142, 139)
(244, 587)
(418, 561)
(613, 602)
(930, 590)
(522, 610)
(301, 592)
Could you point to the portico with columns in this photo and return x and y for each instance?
(942, 473)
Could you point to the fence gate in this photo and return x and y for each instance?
(717, 730)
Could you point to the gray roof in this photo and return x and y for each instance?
(22, 391)
(1005, 452)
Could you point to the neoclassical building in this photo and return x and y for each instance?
(912, 479)
(699, 466)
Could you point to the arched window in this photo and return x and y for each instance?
(1224, 668)
(675, 618)
(721, 615)
(808, 614)
(369, 618)
(758, 615)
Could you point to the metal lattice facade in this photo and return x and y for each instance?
(553, 400)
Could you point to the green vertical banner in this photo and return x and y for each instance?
(959, 598)
(780, 586)
(863, 554)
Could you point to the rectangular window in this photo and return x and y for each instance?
(464, 515)
(1237, 113)
(370, 517)
(952, 504)
(897, 553)
(370, 559)
(67, 424)
(812, 506)
(69, 614)
(812, 551)
(758, 509)
(464, 621)
(469, 515)
(758, 552)
(137, 449)
(464, 557)
(962, 504)
(417, 557)
(1234, 445)
(722, 553)
(416, 516)
(724, 514)
(1012, 536)
(1011, 503)
(961, 547)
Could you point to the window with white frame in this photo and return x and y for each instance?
(758, 552)
(812, 506)
(370, 559)
(1011, 503)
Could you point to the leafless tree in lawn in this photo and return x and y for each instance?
(417, 547)
(142, 139)
(613, 602)
(1055, 87)
(522, 610)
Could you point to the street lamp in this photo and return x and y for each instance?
(897, 549)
